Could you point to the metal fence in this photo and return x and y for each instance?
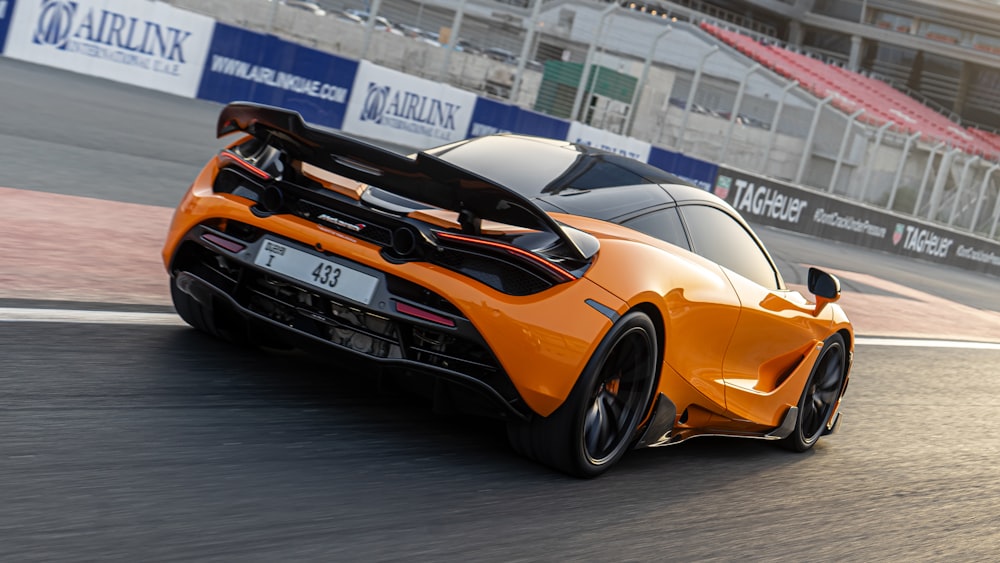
(649, 73)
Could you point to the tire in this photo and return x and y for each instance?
(598, 422)
(190, 310)
(207, 318)
(820, 396)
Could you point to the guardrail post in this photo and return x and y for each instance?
(982, 196)
(927, 176)
(370, 27)
(899, 169)
(733, 115)
(529, 38)
(939, 182)
(690, 98)
(772, 133)
(996, 218)
(585, 74)
(848, 129)
(807, 148)
(871, 161)
(270, 20)
(961, 188)
(456, 25)
(642, 80)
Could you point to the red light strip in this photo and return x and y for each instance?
(421, 314)
(560, 273)
(225, 243)
(230, 156)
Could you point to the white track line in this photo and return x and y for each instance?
(170, 319)
(925, 343)
(88, 317)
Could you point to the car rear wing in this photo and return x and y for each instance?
(424, 178)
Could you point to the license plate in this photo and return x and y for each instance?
(317, 272)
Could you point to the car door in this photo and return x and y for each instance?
(775, 334)
(704, 310)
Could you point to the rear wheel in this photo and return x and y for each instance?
(820, 396)
(597, 424)
(193, 313)
(217, 321)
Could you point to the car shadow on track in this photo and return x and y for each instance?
(347, 409)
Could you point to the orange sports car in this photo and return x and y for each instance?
(591, 301)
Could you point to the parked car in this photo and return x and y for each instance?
(502, 55)
(347, 16)
(381, 22)
(306, 5)
(465, 46)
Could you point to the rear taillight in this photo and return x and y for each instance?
(229, 156)
(419, 313)
(554, 272)
(223, 242)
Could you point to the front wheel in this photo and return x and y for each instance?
(597, 424)
(820, 396)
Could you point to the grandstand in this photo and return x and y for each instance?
(943, 52)
(851, 91)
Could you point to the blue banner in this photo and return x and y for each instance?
(248, 66)
(6, 14)
(698, 172)
(491, 117)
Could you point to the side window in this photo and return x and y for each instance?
(602, 173)
(664, 224)
(720, 238)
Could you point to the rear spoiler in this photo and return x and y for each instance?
(425, 178)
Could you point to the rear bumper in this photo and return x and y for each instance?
(540, 342)
(227, 282)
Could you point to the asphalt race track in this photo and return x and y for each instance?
(125, 435)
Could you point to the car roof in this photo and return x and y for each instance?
(570, 177)
(547, 165)
(684, 193)
(608, 204)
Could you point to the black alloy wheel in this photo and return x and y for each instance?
(598, 422)
(820, 396)
(621, 395)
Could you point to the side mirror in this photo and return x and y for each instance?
(826, 288)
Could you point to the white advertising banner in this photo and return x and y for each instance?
(606, 140)
(142, 42)
(388, 105)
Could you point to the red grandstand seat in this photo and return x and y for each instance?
(852, 91)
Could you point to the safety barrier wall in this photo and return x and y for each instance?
(698, 172)
(393, 106)
(6, 13)
(779, 204)
(243, 65)
(154, 45)
(492, 117)
(148, 44)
